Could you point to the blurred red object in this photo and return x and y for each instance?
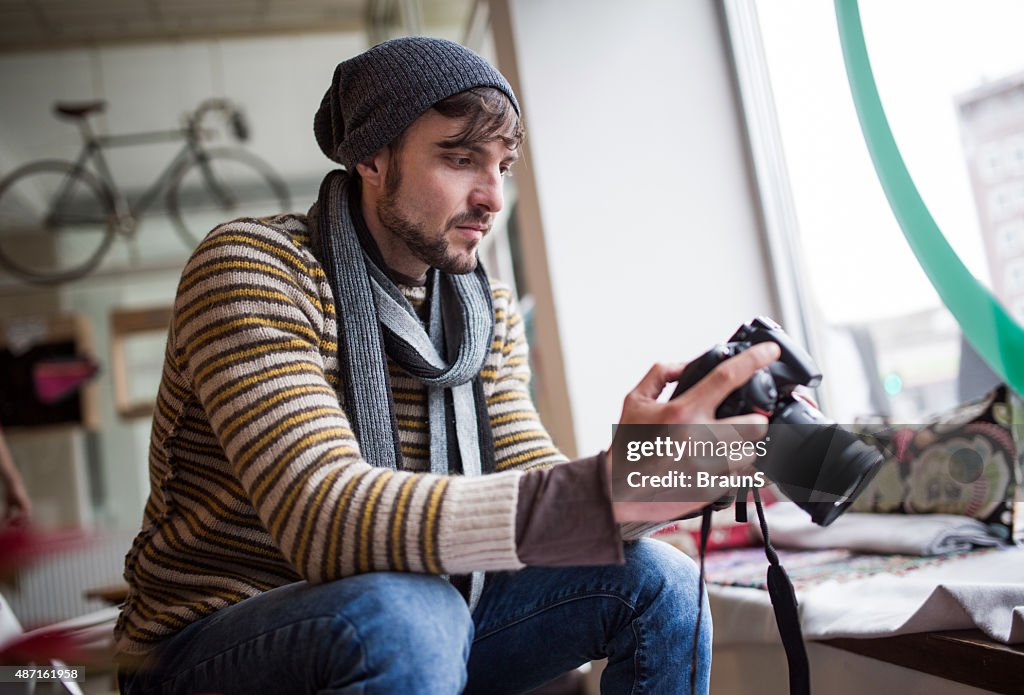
(21, 546)
(55, 379)
(80, 640)
(43, 645)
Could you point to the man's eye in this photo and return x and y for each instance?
(460, 161)
(506, 172)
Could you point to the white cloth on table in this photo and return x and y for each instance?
(903, 534)
(983, 591)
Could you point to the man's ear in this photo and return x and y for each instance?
(374, 168)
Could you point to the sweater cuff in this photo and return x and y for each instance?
(565, 516)
(477, 529)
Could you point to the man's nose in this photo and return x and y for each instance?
(489, 192)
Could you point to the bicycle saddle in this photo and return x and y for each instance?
(78, 109)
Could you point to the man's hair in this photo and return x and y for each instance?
(489, 116)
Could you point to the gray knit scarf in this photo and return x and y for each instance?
(376, 321)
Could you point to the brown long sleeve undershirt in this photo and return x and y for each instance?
(564, 516)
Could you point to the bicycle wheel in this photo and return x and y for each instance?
(56, 222)
(220, 185)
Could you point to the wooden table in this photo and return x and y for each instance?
(964, 656)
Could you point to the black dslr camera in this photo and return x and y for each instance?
(814, 461)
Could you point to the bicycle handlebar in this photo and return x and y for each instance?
(234, 116)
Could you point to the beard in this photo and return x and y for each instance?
(429, 246)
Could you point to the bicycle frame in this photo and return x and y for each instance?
(89, 200)
(128, 212)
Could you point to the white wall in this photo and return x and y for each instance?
(650, 221)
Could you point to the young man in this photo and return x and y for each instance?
(344, 440)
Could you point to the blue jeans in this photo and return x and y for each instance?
(390, 632)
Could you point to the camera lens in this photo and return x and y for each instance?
(816, 463)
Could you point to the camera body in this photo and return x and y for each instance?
(814, 461)
(771, 388)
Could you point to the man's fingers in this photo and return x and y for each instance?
(655, 380)
(733, 373)
(751, 426)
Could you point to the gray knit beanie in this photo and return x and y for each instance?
(378, 94)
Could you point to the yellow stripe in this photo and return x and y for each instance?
(341, 512)
(369, 507)
(433, 507)
(219, 511)
(281, 345)
(523, 377)
(341, 452)
(274, 471)
(248, 266)
(200, 469)
(506, 396)
(167, 382)
(214, 452)
(251, 241)
(266, 403)
(514, 461)
(265, 375)
(165, 409)
(251, 449)
(238, 293)
(239, 324)
(306, 533)
(518, 437)
(513, 417)
(401, 511)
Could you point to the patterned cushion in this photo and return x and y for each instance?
(966, 461)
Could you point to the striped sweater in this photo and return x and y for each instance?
(256, 479)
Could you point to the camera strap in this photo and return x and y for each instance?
(780, 591)
(783, 598)
(705, 531)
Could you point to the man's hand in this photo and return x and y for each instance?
(697, 405)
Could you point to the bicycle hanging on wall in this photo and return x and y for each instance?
(59, 218)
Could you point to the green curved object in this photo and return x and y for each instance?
(985, 322)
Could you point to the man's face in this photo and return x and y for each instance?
(443, 197)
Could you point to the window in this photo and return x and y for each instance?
(884, 340)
